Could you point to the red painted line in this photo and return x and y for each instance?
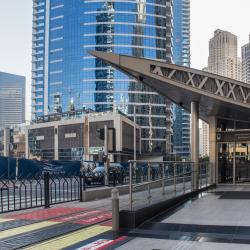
(47, 213)
(112, 243)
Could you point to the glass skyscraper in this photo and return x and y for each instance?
(12, 99)
(57, 56)
(65, 76)
(181, 56)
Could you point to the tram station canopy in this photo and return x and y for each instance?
(217, 95)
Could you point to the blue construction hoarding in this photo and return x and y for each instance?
(24, 168)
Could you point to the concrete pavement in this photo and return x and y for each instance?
(218, 219)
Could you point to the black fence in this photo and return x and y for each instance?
(45, 190)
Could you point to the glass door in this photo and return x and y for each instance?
(242, 163)
(225, 162)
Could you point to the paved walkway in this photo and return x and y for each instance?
(219, 219)
(72, 225)
(58, 227)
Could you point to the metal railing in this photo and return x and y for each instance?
(148, 183)
(151, 182)
(44, 190)
(48, 188)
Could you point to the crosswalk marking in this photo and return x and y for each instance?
(71, 238)
(26, 229)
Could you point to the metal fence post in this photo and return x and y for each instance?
(192, 176)
(174, 177)
(82, 185)
(199, 173)
(114, 177)
(183, 172)
(106, 176)
(130, 186)
(149, 180)
(115, 209)
(163, 178)
(206, 174)
(46, 190)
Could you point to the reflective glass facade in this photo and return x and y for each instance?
(181, 56)
(66, 77)
(12, 99)
(57, 56)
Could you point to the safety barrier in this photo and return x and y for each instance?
(152, 182)
(44, 190)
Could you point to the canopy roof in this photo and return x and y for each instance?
(217, 95)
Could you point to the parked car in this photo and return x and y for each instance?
(116, 174)
(95, 176)
(88, 166)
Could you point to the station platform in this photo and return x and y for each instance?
(216, 219)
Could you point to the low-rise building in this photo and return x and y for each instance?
(12, 141)
(5, 140)
(79, 138)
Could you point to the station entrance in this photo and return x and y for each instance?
(222, 102)
(233, 146)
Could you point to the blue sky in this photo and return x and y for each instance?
(206, 16)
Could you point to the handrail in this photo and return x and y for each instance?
(154, 181)
(163, 176)
(159, 162)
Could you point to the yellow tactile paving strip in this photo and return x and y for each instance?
(26, 229)
(71, 238)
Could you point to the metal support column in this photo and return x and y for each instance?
(234, 164)
(213, 151)
(195, 143)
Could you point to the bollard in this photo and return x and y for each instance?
(115, 209)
